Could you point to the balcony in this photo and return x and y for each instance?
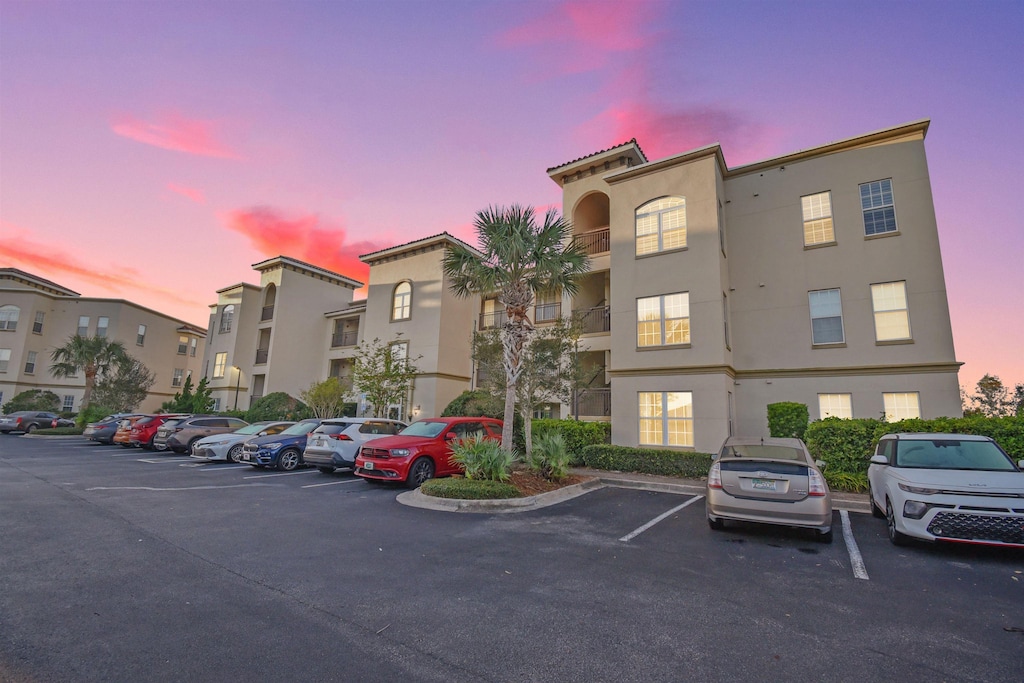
(346, 338)
(594, 403)
(594, 320)
(490, 320)
(594, 242)
(267, 313)
(261, 356)
(547, 313)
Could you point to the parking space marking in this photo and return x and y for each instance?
(213, 467)
(636, 532)
(280, 474)
(174, 488)
(332, 483)
(158, 461)
(856, 560)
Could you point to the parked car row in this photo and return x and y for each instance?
(27, 421)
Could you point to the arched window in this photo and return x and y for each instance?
(661, 225)
(227, 317)
(401, 307)
(9, 317)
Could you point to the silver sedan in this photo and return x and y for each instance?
(229, 446)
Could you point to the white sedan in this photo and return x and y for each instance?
(229, 446)
(947, 487)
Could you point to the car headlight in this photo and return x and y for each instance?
(273, 446)
(400, 452)
(914, 509)
(918, 490)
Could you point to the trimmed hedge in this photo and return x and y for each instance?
(578, 435)
(60, 431)
(647, 460)
(787, 420)
(468, 489)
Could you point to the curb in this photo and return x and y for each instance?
(52, 436)
(541, 500)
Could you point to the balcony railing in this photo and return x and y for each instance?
(594, 403)
(262, 355)
(547, 313)
(347, 338)
(495, 319)
(594, 242)
(267, 314)
(594, 320)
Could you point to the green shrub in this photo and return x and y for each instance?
(483, 459)
(33, 399)
(468, 489)
(94, 413)
(787, 420)
(647, 460)
(277, 406)
(578, 435)
(60, 431)
(549, 457)
(846, 481)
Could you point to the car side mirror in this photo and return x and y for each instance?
(879, 460)
(821, 465)
(262, 433)
(450, 436)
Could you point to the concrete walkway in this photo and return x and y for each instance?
(854, 502)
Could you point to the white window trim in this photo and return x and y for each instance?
(662, 320)
(906, 312)
(811, 318)
(638, 213)
(665, 420)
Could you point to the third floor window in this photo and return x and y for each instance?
(661, 225)
(401, 308)
(817, 212)
(227, 317)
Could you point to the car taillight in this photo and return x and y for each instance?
(53, 424)
(341, 437)
(816, 485)
(176, 429)
(715, 476)
(18, 422)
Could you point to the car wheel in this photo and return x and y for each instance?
(824, 536)
(288, 461)
(716, 524)
(875, 511)
(149, 444)
(31, 428)
(419, 472)
(188, 448)
(895, 535)
(326, 470)
(235, 452)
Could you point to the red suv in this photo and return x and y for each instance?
(144, 430)
(422, 450)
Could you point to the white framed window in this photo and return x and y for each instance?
(220, 363)
(30, 363)
(102, 323)
(37, 326)
(5, 358)
(401, 307)
(666, 418)
(68, 404)
(179, 375)
(835, 405)
(892, 317)
(876, 201)
(83, 326)
(140, 337)
(826, 317)
(902, 406)
(663, 320)
(227, 318)
(216, 404)
(193, 345)
(661, 225)
(399, 351)
(9, 317)
(182, 345)
(817, 212)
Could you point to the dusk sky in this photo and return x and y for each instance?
(154, 151)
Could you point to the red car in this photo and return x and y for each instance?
(144, 430)
(422, 450)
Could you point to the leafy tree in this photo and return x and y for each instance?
(381, 373)
(91, 356)
(326, 398)
(1018, 400)
(33, 399)
(190, 401)
(277, 406)
(992, 399)
(124, 388)
(517, 261)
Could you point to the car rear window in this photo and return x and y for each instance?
(769, 452)
(379, 428)
(145, 420)
(174, 421)
(330, 429)
(785, 468)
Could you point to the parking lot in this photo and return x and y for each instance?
(121, 564)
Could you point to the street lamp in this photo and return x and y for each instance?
(238, 381)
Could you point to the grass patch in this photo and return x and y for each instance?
(468, 489)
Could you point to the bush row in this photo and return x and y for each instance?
(468, 489)
(60, 431)
(578, 435)
(647, 460)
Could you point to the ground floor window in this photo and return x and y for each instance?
(904, 406)
(546, 411)
(69, 403)
(666, 418)
(835, 405)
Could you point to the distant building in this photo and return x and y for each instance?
(37, 316)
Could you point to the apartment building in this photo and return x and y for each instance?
(813, 277)
(37, 316)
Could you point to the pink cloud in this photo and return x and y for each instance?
(189, 192)
(305, 238)
(175, 132)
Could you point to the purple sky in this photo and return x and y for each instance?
(155, 150)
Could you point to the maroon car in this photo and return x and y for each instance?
(144, 430)
(422, 450)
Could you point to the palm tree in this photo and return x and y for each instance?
(89, 355)
(517, 260)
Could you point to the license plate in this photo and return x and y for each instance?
(318, 442)
(763, 484)
(245, 457)
(367, 465)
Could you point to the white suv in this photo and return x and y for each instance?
(336, 442)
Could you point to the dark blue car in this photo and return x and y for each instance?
(283, 451)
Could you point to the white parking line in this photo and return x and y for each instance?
(633, 534)
(332, 483)
(211, 467)
(856, 561)
(280, 474)
(159, 461)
